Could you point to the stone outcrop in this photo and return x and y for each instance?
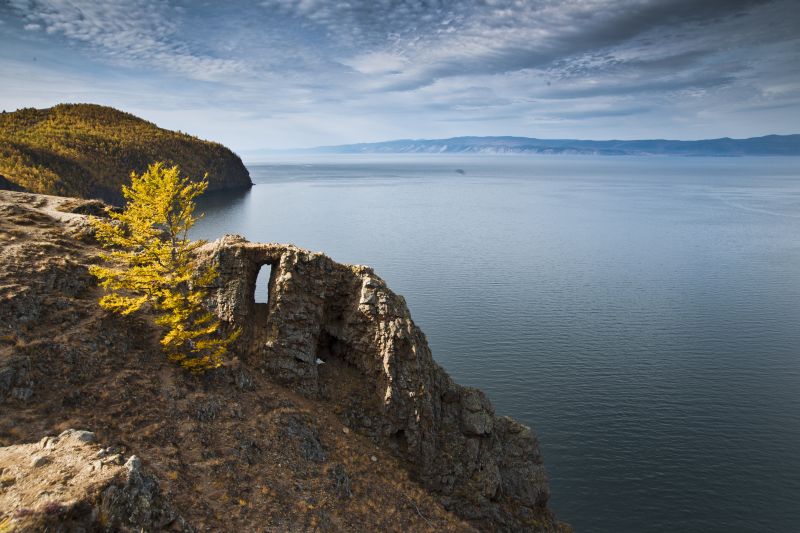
(69, 483)
(379, 438)
(338, 332)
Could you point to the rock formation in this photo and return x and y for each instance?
(332, 414)
(327, 325)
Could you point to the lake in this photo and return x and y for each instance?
(641, 314)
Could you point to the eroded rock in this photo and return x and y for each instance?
(487, 469)
(59, 484)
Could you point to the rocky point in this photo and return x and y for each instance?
(332, 416)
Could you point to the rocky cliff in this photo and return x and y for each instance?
(89, 151)
(338, 332)
(333, 416)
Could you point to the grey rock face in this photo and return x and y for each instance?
(301, 433)
(15, 380)
(59, 484)
(485, 468)
(79, 434)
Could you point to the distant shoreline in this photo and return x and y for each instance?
(250, 158)
(769, 145)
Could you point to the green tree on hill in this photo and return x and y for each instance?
(150, 262)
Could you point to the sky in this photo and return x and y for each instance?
(279, 74)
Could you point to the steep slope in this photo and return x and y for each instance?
(337, 332)
(230, 450)
(89, 151)
(376, 438)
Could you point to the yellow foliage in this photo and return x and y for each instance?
(150, 261)
(7, 525)
(87, 150)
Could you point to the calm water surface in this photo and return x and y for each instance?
(641, 314)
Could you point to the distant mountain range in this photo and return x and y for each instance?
(767, 145)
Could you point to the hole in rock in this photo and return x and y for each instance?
(329, 346)
(341, 382)
(262, 291)
(399, 440)
(261, 294)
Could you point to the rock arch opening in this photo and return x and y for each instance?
(261, 289)
(262, 294)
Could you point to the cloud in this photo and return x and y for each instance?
(377, 63)
(376, 68)
(128, 32)
(491, 37)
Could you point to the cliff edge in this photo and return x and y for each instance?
(88, 151)
(332, 417)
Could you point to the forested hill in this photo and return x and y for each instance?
(89, 151)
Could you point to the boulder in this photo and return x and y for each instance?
(69, 483)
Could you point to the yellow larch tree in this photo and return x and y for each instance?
(149, 261)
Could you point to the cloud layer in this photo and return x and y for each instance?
(304, 72)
